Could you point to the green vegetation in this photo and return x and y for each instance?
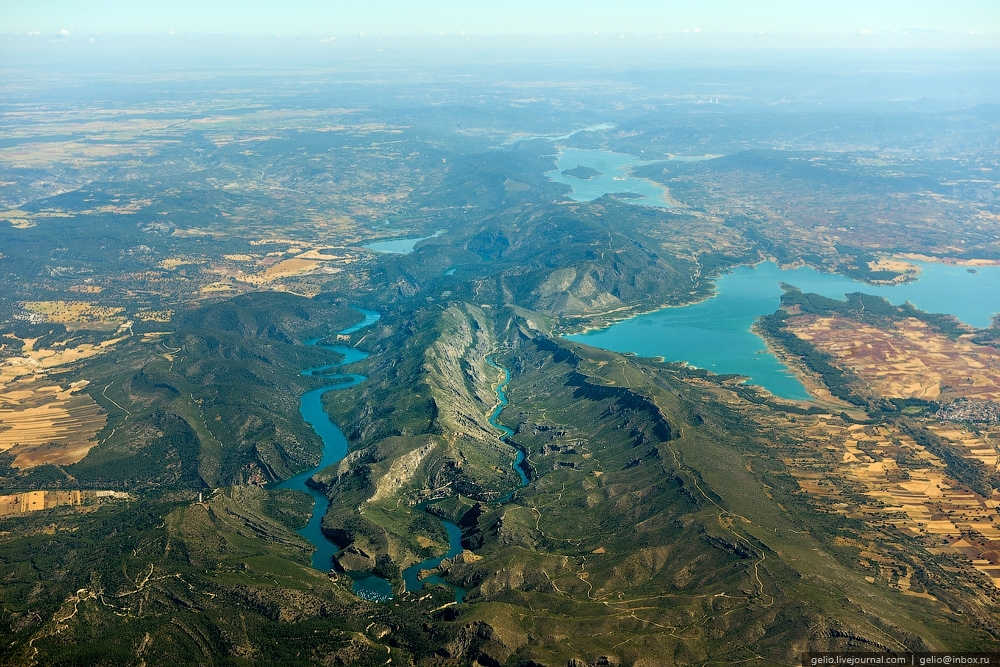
(215, 402)
(164, 580)
(641, 504)
(841, 383)
(582, 172)
(665, 518)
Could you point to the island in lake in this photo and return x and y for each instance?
(582, 172)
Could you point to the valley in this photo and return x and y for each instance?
(339, 369)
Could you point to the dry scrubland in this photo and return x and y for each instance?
(238, 271)
(77, 314)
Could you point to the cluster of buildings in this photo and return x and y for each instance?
(982, 412)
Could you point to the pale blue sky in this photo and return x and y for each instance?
(339, 17)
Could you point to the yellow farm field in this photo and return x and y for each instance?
(952, 260)
(19, 219)
(905, 269)
(33, 501)
(36, 362)
(287, 268)
(908, 487)
(75, 312)
(45, 423)
(907, 360)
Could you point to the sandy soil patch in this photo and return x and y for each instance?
(295, 266)
(19, 219)
(951, 260)
(321, 254)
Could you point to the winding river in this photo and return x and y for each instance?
(411, 575)
(366, 585)
(334, 449)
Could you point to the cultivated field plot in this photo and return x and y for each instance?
(882, 476)
(982, 446)
(908, 360)
(83, 314)
(44, 423)
(33, 501)
(304, 262)
(905, 270)
(35, 362)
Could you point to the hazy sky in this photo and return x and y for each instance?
(340, 17)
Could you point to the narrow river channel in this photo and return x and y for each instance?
(411, 575)
(334, 449)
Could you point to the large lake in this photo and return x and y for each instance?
(403, 246)
(715, 334)
(615, 171)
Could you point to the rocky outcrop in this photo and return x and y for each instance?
(459, 375)
(485, 643)
(569, 292)
(401, 472)
(354, 559)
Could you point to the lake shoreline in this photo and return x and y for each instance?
(716, 333)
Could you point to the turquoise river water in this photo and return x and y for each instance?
(367, 585)
(411, 575)
(334, 449)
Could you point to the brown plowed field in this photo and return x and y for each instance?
(44, 423)
(907, 360)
